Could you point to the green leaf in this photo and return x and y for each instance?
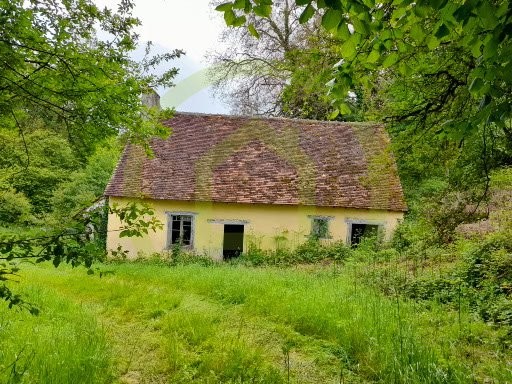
(475, 48)
(334, 114)
(417, 33)
(334, 4)
(331, 19)
(373, 57)
(302, 2)
(229, 17)
(349, 49)
(239, 4)
(361, 26)
(438, 4)
(476, 85)
(432, 43)
(343, 33)
(263, 10)
(491, 48)
(56, 261)
(390, 60)
(442, 31)
(307, 14)
(404, 69)
(224, 7)
(344, 109)
(421, 10)
(239, 21)
(253, 31)
(463, 13)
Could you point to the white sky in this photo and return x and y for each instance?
(191, 25)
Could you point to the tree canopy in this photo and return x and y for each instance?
(68, 63)
(415, 39)
(68, 85)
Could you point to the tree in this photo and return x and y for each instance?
(66, 69)
(85, 186)
(251, 73)
(55, 65)
(378, 38)
(282, 72)
(35, 164)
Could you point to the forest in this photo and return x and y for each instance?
(432, 305)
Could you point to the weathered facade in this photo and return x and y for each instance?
(222, 183)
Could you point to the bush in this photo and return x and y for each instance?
(482, 279)
(14, 208)
(311, 251)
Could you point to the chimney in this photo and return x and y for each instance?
(151, 99)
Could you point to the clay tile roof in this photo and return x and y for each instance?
(264, 160)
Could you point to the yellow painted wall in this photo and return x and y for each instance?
(268, 225)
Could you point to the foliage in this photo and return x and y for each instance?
(407, 38)
(281, 73)
(68, 84)
(311, 251)
(67, 63)
(305, 94)
(34, 164)
(252, 73)
(86, 185)
(476, 274)
(15, 208)
(73, 245)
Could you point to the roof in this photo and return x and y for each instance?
(238, 159)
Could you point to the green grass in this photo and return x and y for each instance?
(231, 324)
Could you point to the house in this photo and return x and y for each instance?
(221, 184)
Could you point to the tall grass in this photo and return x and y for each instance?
(62, 345)
(372, 336)
(231, 323)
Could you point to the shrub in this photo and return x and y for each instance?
(14, 208)
(311, 251)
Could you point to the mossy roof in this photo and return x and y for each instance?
(236, 159)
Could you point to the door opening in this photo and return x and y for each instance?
(233, 240)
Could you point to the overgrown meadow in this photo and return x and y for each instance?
(187, 319)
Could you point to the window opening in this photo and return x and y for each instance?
(361, 231)
(181, 229)
(320, 228)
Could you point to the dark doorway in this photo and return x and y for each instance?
(360, 231)
(233, 240)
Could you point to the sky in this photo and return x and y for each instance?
(190, 25)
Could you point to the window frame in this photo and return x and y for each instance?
(170, 222)
(327, 219)
(381, 226)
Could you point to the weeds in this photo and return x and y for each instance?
(309, 252)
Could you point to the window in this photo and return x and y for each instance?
(320, 228)
(361, 229)
(180, 227)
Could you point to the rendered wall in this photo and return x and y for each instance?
(268, 226)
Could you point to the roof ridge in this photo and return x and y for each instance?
(259, 117)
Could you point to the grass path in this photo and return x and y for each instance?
(151, 328)
(154, 324)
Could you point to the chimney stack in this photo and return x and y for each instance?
(151, 99)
